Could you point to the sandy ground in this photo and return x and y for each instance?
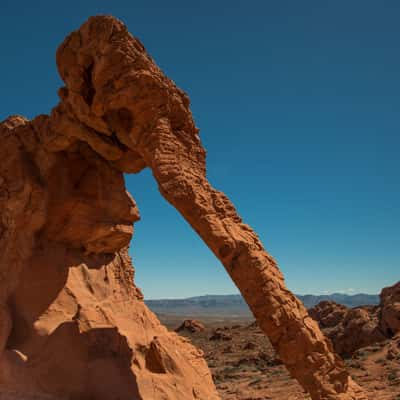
(245, 366)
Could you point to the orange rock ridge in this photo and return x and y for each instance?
(68, 305)
(348, 328)
(353, 328)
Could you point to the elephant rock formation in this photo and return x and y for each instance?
(73, 325)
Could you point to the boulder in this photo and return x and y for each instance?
(190, 326)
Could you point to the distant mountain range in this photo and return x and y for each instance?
(234, 305)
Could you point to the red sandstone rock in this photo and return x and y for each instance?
(328, 313)
(72, 321)
(68, 303)
(393, 348)
(191, 326)
(390, 310)
(219, 334)
(352, 329)
(359, 328)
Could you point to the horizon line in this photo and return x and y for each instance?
(238, 294)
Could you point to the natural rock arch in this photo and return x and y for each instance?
(67, 218)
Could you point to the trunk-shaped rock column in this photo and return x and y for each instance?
(303, 348)
(119, 102)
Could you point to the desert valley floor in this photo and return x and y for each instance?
(245, 366)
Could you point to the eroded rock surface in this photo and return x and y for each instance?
(390, 310)
(353, 328)
(348, 328)
(73, 324)
(328, 313)
(67, 220)
(190, 325)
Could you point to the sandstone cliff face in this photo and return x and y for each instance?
(73, 325)
(68, 304)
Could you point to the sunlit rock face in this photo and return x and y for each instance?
(73, 324)
(69, 307)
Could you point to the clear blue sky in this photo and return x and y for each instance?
(298, 103)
